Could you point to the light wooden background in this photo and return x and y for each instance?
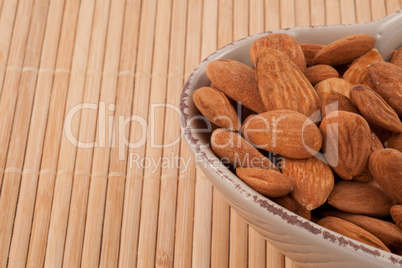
(66, 206)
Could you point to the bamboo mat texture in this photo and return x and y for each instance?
(89, 93)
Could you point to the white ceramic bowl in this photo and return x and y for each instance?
(299, 239)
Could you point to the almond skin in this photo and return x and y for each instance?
(266, 181)
(375, 145)
(393, 52)
(390, 234)
(284, 43)
(237, 81)
(320, 72)
(335, 101)
(283, 132)
(333, 85)
(396, 214)
(397, 57)
(352, 230)
(356, 73)
(313, 181)
(382, 134)
(216, 108)
(375, 109)
(346, 142)
(386, 79)
(360, 198)
(395, 142)
(233, 147)
(283, 86)
(386, 167)
(309, 51)
(345, 49)
(291, 204)
(364, 176)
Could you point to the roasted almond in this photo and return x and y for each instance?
(320, 72)
(352, 230)
(268, 182)
(309, 51)
(237, 81)
(283, 86)
(357, 71)
(395, 142)
(214, 105)
(386, 79)
(291, 204)
(283, 132)
(360, 198)
(333, 85)
(346, 142)
(335, 101)
(375, 109)
(390, 234)
(345, 50)
(285, 43)
(313, 180)
(396, 214)
(232, 147)
(386, 167)
(397, 57)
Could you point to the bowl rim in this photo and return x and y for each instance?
(227, 176)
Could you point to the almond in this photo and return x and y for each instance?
(313, 181)
(232, 147)
(345, 49)
(333, 85)
(213, 86)
(357, 71)
(309, 51)
(375, 109)
(390, 234)
(375, 145)
(397, 57)
(335, 101)
(283, 132)
(386, 167)
(396, 214)
(352, 230)
(386, 79)
(360, 198)
(291, 204)
(283, 86)
(364, 176)
(216, 108)
(382, 134)
(266, 181)
(282, 42)
(237, 81)
(393, 52)
(320, 72)
(395, 142)
(346, 142)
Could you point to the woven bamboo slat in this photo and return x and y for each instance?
(111, 72)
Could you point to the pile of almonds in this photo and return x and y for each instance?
(317, 129)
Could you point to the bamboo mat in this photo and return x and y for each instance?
(89, 93)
